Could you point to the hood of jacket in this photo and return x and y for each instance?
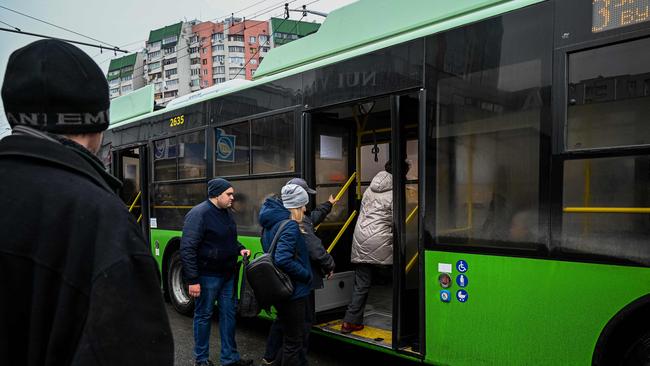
(272, 212)
(382, 182)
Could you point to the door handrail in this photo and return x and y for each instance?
(341, 192)
(345, 226)
(135, 200)
(624, 210)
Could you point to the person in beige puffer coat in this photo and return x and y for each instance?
(372, 243)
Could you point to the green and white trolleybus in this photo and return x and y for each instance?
(521, 230)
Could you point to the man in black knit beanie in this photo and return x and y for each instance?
(81, 285)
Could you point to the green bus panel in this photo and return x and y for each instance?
(165, 236)
(523, 311)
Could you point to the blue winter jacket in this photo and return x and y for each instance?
(291, 254)
(209, 245)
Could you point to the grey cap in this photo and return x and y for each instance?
(301, 182)
(294, 196)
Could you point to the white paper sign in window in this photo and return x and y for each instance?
(331, 147)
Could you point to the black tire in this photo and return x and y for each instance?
(176, 287)
(638, 354)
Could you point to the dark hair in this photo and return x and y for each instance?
(405, 167)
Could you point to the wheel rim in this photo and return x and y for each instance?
(179, 290)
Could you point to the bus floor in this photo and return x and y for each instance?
(377, 319)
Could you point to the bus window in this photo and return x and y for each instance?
(249, 196)
(172, 201)
(607, 207)
(164, 159)
(272, 145)
(191, 157)
(232, 156)
(609, 96)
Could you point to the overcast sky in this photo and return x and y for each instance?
(126, 23)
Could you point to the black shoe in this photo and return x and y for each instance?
(203, 363)
(241, 362)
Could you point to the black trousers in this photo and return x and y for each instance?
(291, 318)
(274, 340)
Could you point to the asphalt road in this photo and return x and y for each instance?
(251, 337)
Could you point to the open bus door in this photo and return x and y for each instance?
(130, 168)
(349, 145)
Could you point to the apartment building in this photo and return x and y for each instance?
(188, 56)
(167, 63)
(126, 74)
(227, 50)
(287, 30)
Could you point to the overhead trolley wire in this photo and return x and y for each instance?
(113, 47)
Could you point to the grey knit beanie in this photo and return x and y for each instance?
(294, 196)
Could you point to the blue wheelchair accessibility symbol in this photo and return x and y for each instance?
(461, 295)
(461, 266)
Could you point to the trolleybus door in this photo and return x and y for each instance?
(407, 279)
(131, 169)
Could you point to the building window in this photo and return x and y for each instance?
(253, 61)
(264, 49)
(205, 71)
(171, 94)
(236, 71)
(170, 39)
(217, 37)
(127, 77)
(194, 71)
(115, 90)
(114, 82)
(263, 38)
(239, 49)
(219, 80)
(114, 73)
(127, 88)
(154, 45)
(204, 50)
(194, 82)
(205, 83)
(217, 48)
(219, 58)
(236, 60)
(195, 61)
(172, 82)
(219, 70)
(253, 50)
(252, 39)
(170, 50)
(194, 39)
(154, 55)
(204, 61)
(253, 71)
(236, 37)
(170, 61)
(171, 72)
(154, 65)
(193, 50)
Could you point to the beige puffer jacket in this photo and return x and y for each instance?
(373, 235)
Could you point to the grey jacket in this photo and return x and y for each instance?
(373, 235)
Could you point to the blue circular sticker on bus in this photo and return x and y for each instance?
(461, 266)
(461, 295)
(461, 280)
(445, 296)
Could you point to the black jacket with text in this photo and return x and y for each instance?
(79, 286)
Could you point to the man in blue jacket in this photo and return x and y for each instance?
(209, 251)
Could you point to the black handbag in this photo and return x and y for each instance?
(247, 306)
(268, 282)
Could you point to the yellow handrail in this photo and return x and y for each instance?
(135, 200)
(140, 218)
(627, 210)
(412, 214)
(341, 192)
(338, 236)
(411, 263)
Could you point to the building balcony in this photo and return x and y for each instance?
(195, 55)
(195, 66)
(156, 70)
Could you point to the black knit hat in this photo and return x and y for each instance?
(217, 186)
(54, 86)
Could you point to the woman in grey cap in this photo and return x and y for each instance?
(292, 257)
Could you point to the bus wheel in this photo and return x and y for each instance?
(178, 291)
(639, 352)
